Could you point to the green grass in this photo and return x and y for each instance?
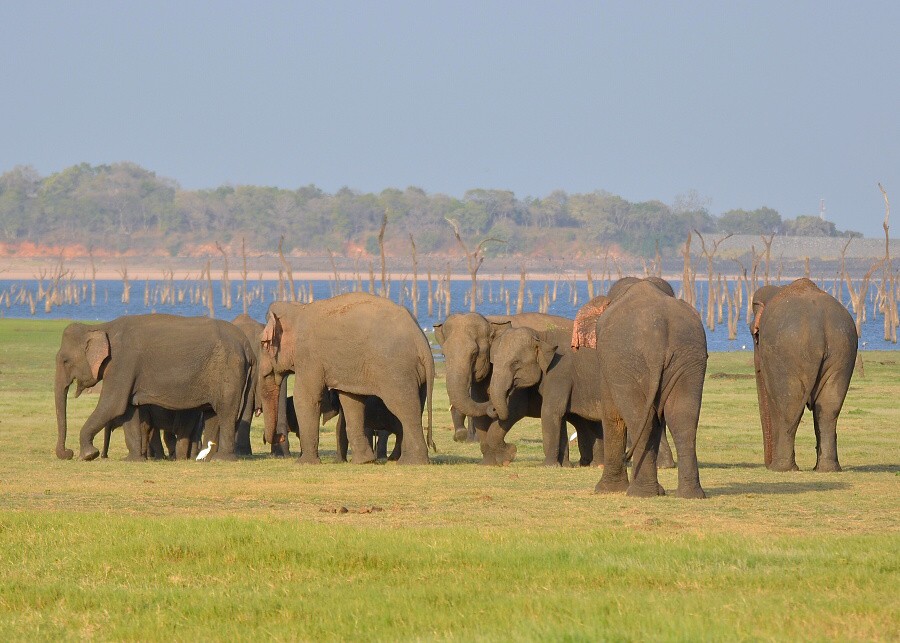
(265, 548)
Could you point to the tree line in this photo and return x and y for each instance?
(123, 206)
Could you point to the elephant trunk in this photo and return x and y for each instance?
(459, 387)
(499, 392)
(62, 390)
(269, 393)
(764, 412)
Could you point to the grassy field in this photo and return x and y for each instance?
(265, 548)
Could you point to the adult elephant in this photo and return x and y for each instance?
(465, 339)
(804, 350)
(359, 345)
(651, 349)
(169, 361)
(566, 380)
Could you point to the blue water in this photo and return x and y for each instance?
(109, 304)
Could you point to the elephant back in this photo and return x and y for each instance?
(584, 334)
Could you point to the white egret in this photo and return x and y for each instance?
(205, 452)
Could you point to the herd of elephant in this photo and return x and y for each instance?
(631, 364)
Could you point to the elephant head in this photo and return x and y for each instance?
(81, 358)
(519, 359)
(465, 340)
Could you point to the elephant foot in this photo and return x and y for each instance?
(413, 458)
(645, 491)
(131, 457)
(364, 459)
(89, 453)
(499, 456)
(461, 435)
(65, 454)
(393, 458)
(228, 457)
(693, 493)
(309, 459)
(827, 466)
(786, 465)
(552, 462)
(615, 485)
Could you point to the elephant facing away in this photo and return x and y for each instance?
(466, 339)
(805, 345)
(169, 361)
(652, 354)
(360, 345)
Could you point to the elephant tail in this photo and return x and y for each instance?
(646, 416)
(429, 389)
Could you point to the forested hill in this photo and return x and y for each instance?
(123, 206)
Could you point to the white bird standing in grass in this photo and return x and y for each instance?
(205, 452)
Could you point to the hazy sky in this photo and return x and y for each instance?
(749, 103)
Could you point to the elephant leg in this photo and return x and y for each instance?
(587, 441)
(825, 423)
(154, 445)
(242, 445)
(495, 449)
(644, 479)
(614, 478)
(353, 407)
(553, 430)
(308, 408)
(113, 403)
(340, 435)
(171, 442)
(460, 432)
(381, 441)
(107, 431)
(786, 406)
(665, 460)
(405, 403)
(212, 432)
(136, 426)
(682, 413)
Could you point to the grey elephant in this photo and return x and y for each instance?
(522, 358)
(165, 360)
(466, 339)
(652, 353)
(359, 345)
(805, 345)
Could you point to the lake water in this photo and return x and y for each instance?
(109, 305)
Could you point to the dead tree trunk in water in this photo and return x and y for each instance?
(244, 275)
(768, 243)
(474, 259)
(226, 282)
(414, 294)
(890, 304)
(520, 297)
(288, 270)
(710, 299)
(385, 286)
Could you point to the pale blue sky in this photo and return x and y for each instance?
(752, 103)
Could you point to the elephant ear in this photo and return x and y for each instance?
(96, 349)
(498, 328)
(271, 335)
(545, 353)
(584, 331)
(439, 334)
(758, 308)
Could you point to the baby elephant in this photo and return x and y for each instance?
(379, 425)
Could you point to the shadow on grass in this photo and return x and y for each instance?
(455, 459)
(775, 488)
(875, 468)
(731, 465)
